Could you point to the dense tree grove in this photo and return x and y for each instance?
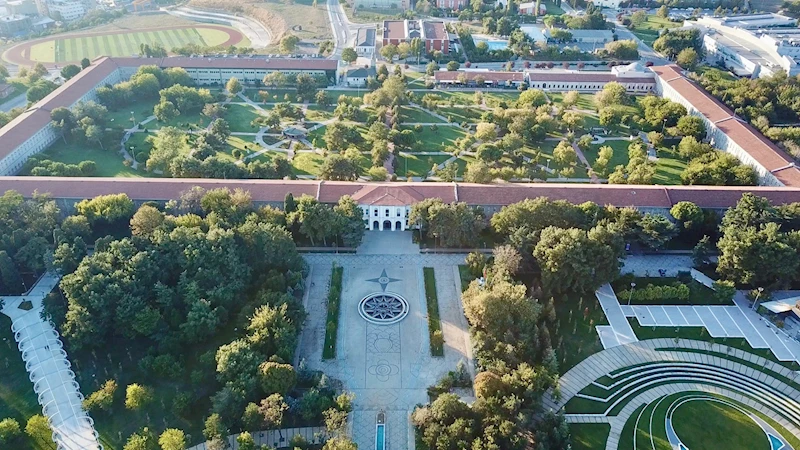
(767, 103)
(756, 234)
(26, 238)
(205, 264)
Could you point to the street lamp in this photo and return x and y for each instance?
(755, 302)
(630, 296)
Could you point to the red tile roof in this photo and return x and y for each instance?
(37, 116)
(765, 152)
(232, 63)
(488, 75)
(143, 189)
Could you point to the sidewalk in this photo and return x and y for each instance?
(619, 331)
(46, 361)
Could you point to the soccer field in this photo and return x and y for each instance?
(75, 48)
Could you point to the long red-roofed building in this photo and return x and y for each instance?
(386, 206)
(31, 132)
(727, 131)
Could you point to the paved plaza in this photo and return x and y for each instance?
(388, 367)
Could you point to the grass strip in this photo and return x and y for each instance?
(434, 322)
(334, 301)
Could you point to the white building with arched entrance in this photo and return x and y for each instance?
(386, 208)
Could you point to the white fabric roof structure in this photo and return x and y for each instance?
(783, 305)
(46, 362)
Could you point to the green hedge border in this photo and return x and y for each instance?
(332, 321)
(434, 321)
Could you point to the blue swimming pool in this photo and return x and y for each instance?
(493, 44)
(380, 443)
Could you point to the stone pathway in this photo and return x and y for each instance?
(275, 438)
(619, 331)
(46, 361)
(387, 367)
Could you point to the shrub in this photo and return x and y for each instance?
(654, 293)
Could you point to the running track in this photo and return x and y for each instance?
(19, 54)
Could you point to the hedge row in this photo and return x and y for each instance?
(332, 323)
(649, 293)
(434, 322)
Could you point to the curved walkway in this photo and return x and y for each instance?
(49, 369)
(258, 34)
(647, 370)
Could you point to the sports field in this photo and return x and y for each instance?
(73, 48)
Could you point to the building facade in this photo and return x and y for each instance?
(433, 33)
(365, 42)
(31, 132)
(452, 4)
(358, 77)
(66, 10)
(14, 25)
(728, 132)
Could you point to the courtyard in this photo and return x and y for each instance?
(387, 366)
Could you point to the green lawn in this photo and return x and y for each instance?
(438, 140)
(317, 113)
(332, 321)
(418, 166)
(669, 167)
(461, 115)
(109, 161)
(585, 101)
(619, 157)
(577, 316)
(239, 118)
(121, 118)
(307, 163)
(123, 43)
(409, 114)
(589, 436)
(701, 424)
(434, 323)
(649, 31)
(466, 276)
(708, 424)
(553, 9)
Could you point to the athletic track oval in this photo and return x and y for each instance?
(20, 53)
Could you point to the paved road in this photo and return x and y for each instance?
(645, 52)
(339, 26)
(20, 100)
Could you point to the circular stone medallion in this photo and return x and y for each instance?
(383, 308)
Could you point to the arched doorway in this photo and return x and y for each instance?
(375, 225)
(387, 225)
(398, 226)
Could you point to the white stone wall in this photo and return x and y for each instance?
(386, 217)
(583, 86)
(719, 139)
(46, 136)
(247, 76)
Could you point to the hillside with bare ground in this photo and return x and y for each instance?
(273, 21)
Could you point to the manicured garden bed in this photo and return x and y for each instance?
(332, 321)
(434, 321)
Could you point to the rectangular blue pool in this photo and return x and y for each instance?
(380, 443)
